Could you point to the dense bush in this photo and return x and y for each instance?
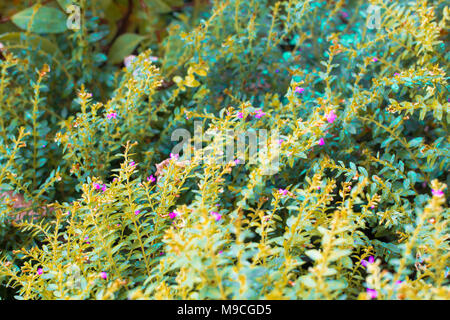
(97, 204)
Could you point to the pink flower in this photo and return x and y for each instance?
(299, 90)
(331, 116)
(97, 186)
(216, 215)
(237, 161)
(365, 263)
(283, 191)
(240, 115)
(103, 275)
(112, 115)
(221, 251)
(396, 74)
(280, 141)
(40, 271)
(151, 178)
(372, 293)
(172, 215)
(437, 193)
(136, 212)
(321, 142)
(132, 163)
(375, 59)
(174, 156)
(344, 14)
(259, 113)
(86, 239)
(104, 188)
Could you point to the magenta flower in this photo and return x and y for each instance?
(87, 239)
(365, 263)
(40, 271)
(132, 163)
(174, 156)
(221, 251)
(299, 90)
(104, 188)
(259, 114)
(136, 212)
(437, 193)
(172, 215)
(283, 191)
(103, 275)
(237, 161)
(216, 215)
(280, 141)
(97, 186)
(396, 74)
(321, 142)
(240, 115)
(151, 178)
(344, 14)
(331, 116)
(111, 115)
(372, 293)
(375, 59)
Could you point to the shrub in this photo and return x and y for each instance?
(345, 200)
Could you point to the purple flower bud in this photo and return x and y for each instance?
(321, 142)
(372, 293)
(172, 215)
(437, 193)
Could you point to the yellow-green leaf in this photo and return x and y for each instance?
(124, 46)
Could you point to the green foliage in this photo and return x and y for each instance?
(95, 205)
